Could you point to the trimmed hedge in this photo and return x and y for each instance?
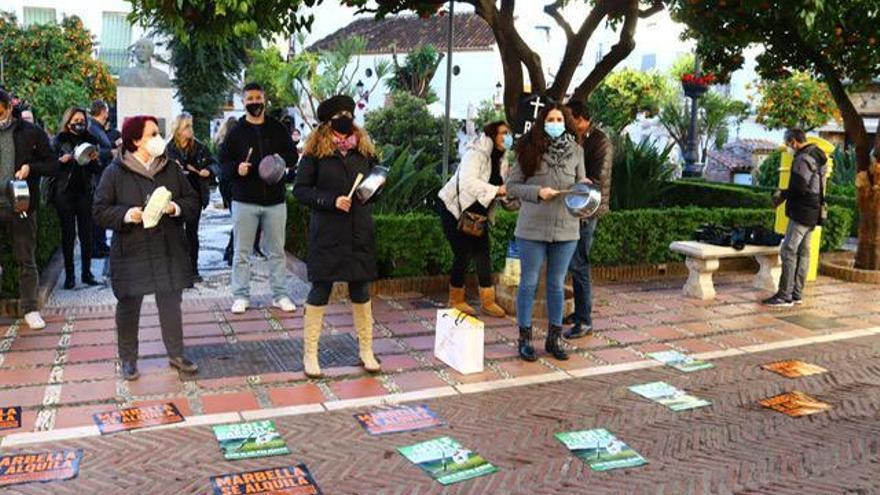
(414, 244)
(696, 192)
(48, 240)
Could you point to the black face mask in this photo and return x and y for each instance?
(342, 125)
(78, 128)
(254, 109)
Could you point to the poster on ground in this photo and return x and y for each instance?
(671, 397)
(39, 467)
(600, 450)
(250, 440)
(794, 368)
(132, 418)
(447, 461)
(286, 480)
(680, 361)
(795, 404)
(10, 418)
(399, 419)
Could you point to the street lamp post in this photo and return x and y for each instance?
(446, 124)
(692, 167)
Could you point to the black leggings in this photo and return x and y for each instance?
(465, 248)
(75, 214)
(358, 292)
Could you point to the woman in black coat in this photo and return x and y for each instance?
(146, 260)
(341, 242)
(71, 193)
(199, 167)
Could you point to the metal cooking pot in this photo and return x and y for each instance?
(83, 153)
(373, 184)
(272, 168)
(19, 195)
(583, 200)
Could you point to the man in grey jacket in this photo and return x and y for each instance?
(805, 209)
(598, 158)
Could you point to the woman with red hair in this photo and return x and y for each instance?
(146, 259)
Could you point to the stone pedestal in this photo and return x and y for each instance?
(506, 292)
(767, 278)
(158, 102)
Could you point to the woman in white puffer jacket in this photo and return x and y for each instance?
(477, 182)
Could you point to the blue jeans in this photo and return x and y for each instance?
(532, 255)
(580, 274)
(245, 219)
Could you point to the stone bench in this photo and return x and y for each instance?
(703, 259)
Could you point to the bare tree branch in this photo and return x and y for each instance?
(553, 11)
(577, 43)
(618, 53)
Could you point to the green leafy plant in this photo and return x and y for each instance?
(415, 74)
(626, 94)
(640, 173)
(845, 168)
(406, 121)
(488, 112)
(798, 101)
(204, 74)
(768, 171)
(45, 63)
(409, 187)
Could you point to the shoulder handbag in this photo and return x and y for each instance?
(469, 223)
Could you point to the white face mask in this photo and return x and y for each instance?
(155, 146)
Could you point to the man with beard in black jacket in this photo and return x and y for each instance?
(257, 203)
(805, 209)
(24, 155)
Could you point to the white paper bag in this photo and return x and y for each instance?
(458, 341)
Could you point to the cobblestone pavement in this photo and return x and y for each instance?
(733, 446)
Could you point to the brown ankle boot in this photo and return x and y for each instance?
(457, 301)
(488, 305)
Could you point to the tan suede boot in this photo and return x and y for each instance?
(457, 301)
(312, 322)
(488, 305)
(363, 323)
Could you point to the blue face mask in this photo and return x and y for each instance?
(554, 129)
(508, 141)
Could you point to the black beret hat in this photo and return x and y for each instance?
(335, 104)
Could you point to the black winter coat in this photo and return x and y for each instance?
(200, 158)
(63, 144)
(145, 261)
(32, 148)
(342, 246)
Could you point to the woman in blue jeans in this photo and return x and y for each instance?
(549, 160)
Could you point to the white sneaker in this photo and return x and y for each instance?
(34, 320)
(284, 304)
(240, 306)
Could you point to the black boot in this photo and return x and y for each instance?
(552, 344)
(69, 281)
(526, 351)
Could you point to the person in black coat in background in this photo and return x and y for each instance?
(199, 167)
(341, 242)
(99, 114)
(71, 193)
(146, 261)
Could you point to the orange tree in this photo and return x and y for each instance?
(833, 40)
(798, 101)
(51, 66)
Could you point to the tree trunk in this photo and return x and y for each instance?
(868, 198)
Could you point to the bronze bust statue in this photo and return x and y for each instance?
(143, 74)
